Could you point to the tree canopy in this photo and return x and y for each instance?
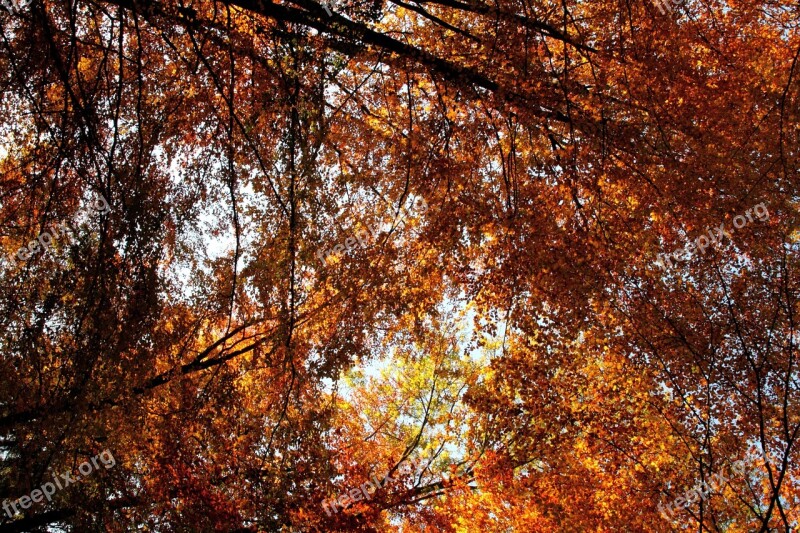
(509, 265)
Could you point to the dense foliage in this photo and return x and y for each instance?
(417, 243)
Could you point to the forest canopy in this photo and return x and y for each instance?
(399, 265)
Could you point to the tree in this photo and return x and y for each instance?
(418, 244)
